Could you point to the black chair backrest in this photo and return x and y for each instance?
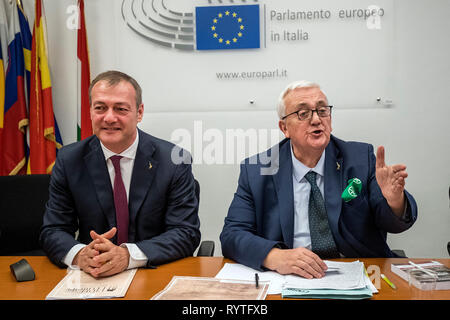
(22, 207)
(206, 248)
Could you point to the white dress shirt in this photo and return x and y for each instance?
(302, 189)
(137, 257)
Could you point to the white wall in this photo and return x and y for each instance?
(415, 131)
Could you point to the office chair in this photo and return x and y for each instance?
(400, 253)
(206, 248)
(22, 207)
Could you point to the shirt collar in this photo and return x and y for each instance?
(299, 170)
(129, 153)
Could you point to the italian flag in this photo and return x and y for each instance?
(84, 125)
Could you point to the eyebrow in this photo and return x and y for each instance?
(117, 104)
(304, 104)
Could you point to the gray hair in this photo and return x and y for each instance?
(292, 86)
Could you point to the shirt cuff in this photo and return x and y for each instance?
(137, 257)
(68, 259)
(406, 216)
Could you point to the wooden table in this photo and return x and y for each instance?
(148, 282)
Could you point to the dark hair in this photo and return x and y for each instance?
(113, 77)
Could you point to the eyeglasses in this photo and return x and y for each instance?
(305, 114)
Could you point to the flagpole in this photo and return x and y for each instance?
(78, 64)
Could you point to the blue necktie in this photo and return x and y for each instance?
(322, 241)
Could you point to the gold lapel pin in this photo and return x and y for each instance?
(338, 166)
(150, 165)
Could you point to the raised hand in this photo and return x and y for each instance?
(391, 180)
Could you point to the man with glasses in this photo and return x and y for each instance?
(326, 199)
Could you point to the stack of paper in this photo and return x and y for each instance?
(440, 274)
(346, 280)
(343, 280)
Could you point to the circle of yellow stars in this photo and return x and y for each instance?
(217, 19)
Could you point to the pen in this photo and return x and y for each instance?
(388, 282)
(256, 280)
(422, 268)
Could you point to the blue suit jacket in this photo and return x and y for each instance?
(261, 215)
(163, 207)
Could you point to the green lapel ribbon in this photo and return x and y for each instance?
(353, 189)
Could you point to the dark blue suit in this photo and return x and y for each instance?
(261, 215)
(163, 207)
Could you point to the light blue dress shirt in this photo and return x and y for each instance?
(302, 188)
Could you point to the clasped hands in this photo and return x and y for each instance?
(101, 257)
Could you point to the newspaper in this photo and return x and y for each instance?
(77, 284)
(203, 288)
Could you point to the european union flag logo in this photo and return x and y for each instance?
(227, 27)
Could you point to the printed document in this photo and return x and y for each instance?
(203, 288)
(77, 284)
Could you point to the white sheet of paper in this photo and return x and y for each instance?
(349, 276)
(237, 271)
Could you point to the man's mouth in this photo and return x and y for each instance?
(317, 132)
(111, 129)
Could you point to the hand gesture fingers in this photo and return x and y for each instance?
(391, 180)
(84, 258)
(113, 261)
(380, 158)
(107, 235)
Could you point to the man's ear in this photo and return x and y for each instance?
(140, 112)
(283, 128)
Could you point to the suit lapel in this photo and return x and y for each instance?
(144, 171)
(283, 184)
(96, 165)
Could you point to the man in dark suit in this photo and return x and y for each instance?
(131, 204)
(291, 212)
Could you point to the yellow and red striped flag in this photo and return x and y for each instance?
(84, 126)
(43, 142)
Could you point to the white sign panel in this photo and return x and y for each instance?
(239, 55)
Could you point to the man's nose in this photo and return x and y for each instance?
(110, 116)
(315, 119)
